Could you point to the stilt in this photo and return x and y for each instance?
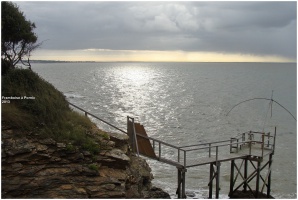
(232, 178)
(258, 179)
(269, 177)
(217, 179)
(211, 180)
(181, 183)
(178, 192)
(245, 175)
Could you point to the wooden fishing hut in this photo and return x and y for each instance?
(250, 148)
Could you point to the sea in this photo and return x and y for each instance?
(190, 103)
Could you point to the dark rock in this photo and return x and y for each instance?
(249, 195)
(157, 193)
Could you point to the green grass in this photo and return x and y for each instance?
(48, 114)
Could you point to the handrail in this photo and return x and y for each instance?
(265, 138)
(87, 113)
(204, 144)
(166, 144)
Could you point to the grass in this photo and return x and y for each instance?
(47, 113)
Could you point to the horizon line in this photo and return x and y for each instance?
(90, 61)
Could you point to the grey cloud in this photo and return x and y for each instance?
(242, 27)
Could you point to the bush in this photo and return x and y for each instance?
(48, 112)
(48, 104)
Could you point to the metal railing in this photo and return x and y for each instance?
(88, 113)
(213, 148)
(241, 141)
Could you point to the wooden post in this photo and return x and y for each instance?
(269, 177)
(217, 179)
(258, 179)
(179, 184)
(232, 178)
(245, 174)
(211, 180)
(183, 183)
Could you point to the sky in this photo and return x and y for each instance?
(164, 31)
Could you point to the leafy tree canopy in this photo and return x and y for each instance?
(18, 39)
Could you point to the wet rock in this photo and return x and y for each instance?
(249, 195)
(157, 193)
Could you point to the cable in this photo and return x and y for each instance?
(263, 99)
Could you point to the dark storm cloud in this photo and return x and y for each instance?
(262, 28)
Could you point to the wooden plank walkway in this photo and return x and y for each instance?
(249, 146)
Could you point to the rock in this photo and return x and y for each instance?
(61, 145)
(116, 158)
(41, 147)
(43, 168)
(48, 141)
(157, 193)
(121, 141)
(248, 195)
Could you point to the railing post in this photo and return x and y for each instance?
(209, 150)
(159, 150)
(274, 140)
(268, 143)
(184, 158)
(231, 147)
(263, 141)
(178, 155)
(216, 153)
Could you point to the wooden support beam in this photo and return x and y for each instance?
(232, 178)
(211, 180)
(245, 175)
(269, 177)
(217, 180)
(181, 183)
(258, 180)
(178, 192)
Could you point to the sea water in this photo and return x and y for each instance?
(188, 103)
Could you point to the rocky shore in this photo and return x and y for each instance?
(43, 168)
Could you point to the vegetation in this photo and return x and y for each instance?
(18, 39)
(30, 103)
(36, 106)
(93, 167)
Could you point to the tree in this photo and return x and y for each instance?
(18, 39)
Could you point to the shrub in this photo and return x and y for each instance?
(48, 111)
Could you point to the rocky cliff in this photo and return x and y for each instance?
(35, 167)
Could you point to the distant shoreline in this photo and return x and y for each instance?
(61, 61)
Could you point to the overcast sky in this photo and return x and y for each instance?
(156, 30)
